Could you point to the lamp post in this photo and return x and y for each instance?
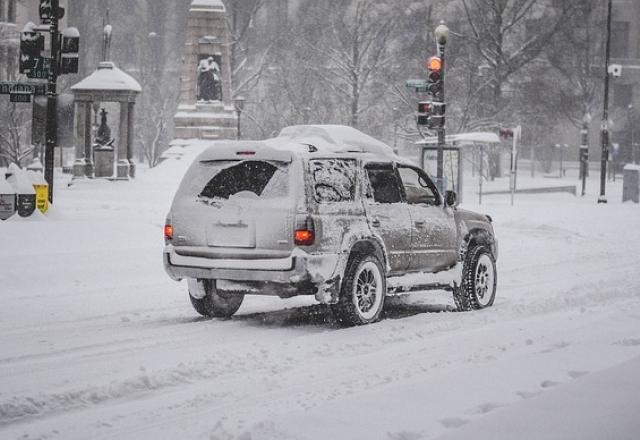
(630, 121)
(238, 102)
(584, 151)
(442, 34)
(605, 114)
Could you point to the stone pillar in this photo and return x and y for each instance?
(88, 147)
(4, 70)
(131, 139)
(79, 163)
(3, 14)
(122, 171)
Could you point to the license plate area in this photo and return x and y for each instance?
(232, 232)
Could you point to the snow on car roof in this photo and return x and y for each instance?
(297, 139)
(334, 138)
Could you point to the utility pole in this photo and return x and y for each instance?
(605, 113)
(52, 99)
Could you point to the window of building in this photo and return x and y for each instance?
(622, 95)
(11, 11)
(620, 39)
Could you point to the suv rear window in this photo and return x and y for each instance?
(250, 178)
(334, 180)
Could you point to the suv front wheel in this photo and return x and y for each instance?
(479, 280)
(363, 291)
(208, 301)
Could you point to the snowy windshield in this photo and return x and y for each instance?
(248, 179)
(333, 180)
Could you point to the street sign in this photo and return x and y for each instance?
(40, 69)
(419, 85)
(8, 87)
(24, 97)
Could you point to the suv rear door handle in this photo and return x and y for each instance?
(375, 223)
(421, 223)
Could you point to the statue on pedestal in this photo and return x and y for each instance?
(103, 138)
(209, 81)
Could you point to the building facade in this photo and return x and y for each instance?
(625, 88)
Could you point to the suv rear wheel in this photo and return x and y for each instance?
(208, 301)
(363, 291)
(479, 280)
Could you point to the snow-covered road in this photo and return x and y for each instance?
(96, 341)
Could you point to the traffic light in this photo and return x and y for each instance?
(424, 111)
(506, 133)
(31, 46)
(431, 114)
(45, 11)
(70, 47)
(434, 83)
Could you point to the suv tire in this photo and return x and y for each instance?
(363, 291)
(215, 304)
(479, 280)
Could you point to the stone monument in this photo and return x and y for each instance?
(206, 109)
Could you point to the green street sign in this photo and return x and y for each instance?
(40, 69)
(419, 85)
(34, 88)
(24, 97)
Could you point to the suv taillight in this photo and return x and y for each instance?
(168, 232)
(305, 234)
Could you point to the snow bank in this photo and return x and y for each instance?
(5, 187)
(20, 180)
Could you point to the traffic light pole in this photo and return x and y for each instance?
(605, 113)
(441, 130)
(52, 98)
(442, 33)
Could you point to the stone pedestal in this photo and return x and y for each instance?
(104, 162)
(207, 36)
(206, 121)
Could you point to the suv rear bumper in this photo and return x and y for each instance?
(298, 274)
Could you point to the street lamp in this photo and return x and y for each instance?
(605, 114)
(442, 34)
(238, 102)
(584, 151)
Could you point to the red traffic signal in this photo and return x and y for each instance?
(506, 133)
(424, 107)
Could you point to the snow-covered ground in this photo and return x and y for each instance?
(97, 342)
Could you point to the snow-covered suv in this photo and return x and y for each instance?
(325, 211)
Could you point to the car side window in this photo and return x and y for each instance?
(384, 184)
(418, 188)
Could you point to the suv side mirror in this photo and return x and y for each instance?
(450, 198)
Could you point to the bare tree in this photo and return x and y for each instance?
(14, 125)
(353, 51)
(575, 53)
(509, 38)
